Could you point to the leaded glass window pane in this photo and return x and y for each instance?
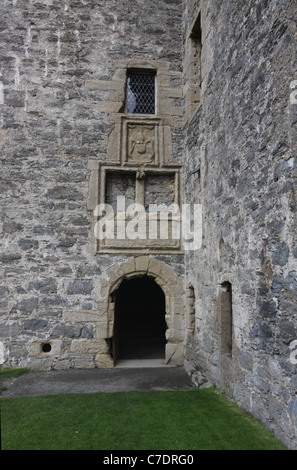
(140, 93)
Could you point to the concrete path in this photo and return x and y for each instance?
(124, 377)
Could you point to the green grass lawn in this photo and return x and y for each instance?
(175, 420)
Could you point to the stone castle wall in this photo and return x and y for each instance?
(63, 78)
(224, 137)
(243, 139)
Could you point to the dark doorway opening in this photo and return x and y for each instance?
(139, 326)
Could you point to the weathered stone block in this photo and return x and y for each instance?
(27, 244)
(104, 329)
(83, 316)
(65, 330)
(141, 263)
(35, 324)
(54, 350)
(83, 362)
(88, 346)
(63, 119)
(104, 361)
(174, 355)
(245, 360)
(281, 255)
(80, 288)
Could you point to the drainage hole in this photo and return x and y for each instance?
(46, 347)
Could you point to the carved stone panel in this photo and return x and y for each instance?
(139, 186)
(141, 142)
(142, 215)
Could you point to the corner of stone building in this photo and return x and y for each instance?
(243, 174)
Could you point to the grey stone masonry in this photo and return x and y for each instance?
(243, 138)
(62, 100)
(223, 137)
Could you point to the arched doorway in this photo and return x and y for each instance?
(139, 322)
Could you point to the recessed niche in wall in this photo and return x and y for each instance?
(159, 189)
(120, 185)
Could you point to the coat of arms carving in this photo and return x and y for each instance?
(141, 143)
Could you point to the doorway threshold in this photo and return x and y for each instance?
(139, 363)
